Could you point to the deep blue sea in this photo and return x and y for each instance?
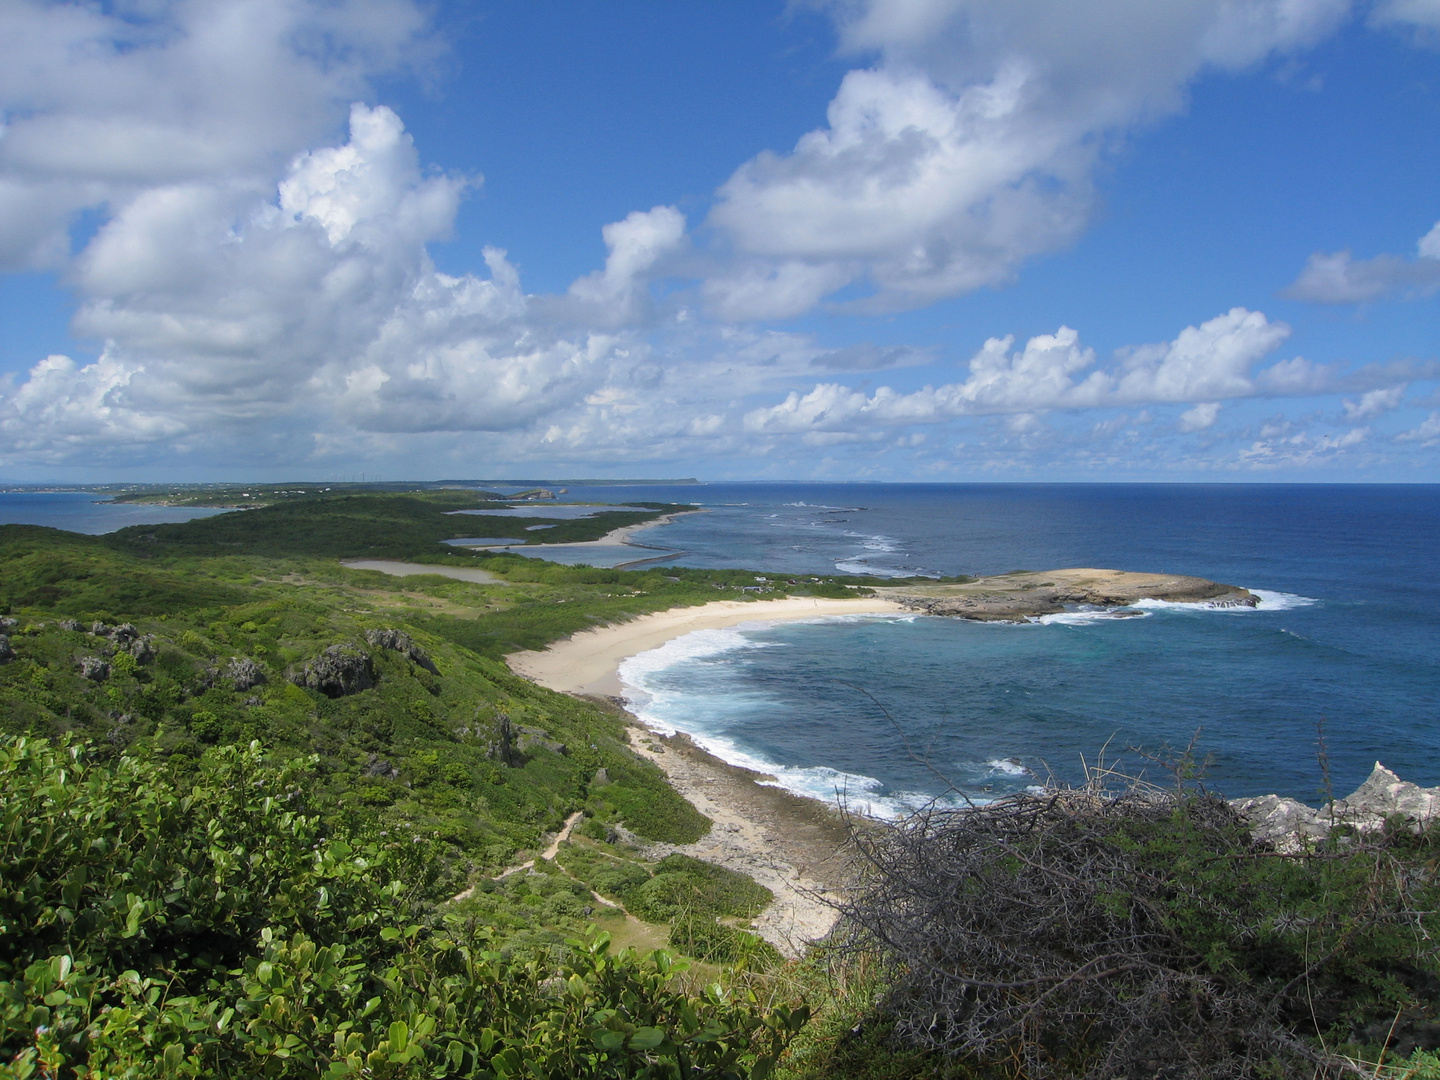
(892, 710)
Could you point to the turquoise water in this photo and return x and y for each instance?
(1348, 635)
(86, 512)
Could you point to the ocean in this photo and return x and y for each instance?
(87, 512)
(887, 713)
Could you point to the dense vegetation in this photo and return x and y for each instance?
(194, 919)
(223, 759)
(1130, 931)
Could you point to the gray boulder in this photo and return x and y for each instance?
(1384, 795)
(244, 673)
(337, 672)
(6, 652)
(94, 667)
(401, 642)
(1292, 826)
(1286, 824)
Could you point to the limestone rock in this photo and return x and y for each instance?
(8, 624)
(401, 642)
(244, 673)
(1384, 795)
(94, 667)
(1291, 826)
(531, 738)
(1286, 823)
(339, 671)
(6, 652)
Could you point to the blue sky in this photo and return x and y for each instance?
(874, 239)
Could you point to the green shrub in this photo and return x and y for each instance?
(163, 922)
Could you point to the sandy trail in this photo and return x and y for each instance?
(394, 568)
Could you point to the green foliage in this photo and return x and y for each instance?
(80, 575)
(159, 923)
(372, 525)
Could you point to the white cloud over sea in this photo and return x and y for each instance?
(247, 240)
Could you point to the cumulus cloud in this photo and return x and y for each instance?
(638, 249)
(224, 313)
(101, 103)
(969, 146)
(1427, 434)
(1374, 403)
(1214, 360)
(1340, 278)
(1200, 417)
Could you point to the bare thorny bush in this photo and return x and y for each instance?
(1121, 929)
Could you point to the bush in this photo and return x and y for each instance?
(1144, 932)
(193, 924)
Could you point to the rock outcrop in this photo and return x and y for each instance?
(6, 652)
(337, 672)
(244, 673)
(1292, 826)
(401, 642)
(1024, 595)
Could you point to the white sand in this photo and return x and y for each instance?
(587, 663)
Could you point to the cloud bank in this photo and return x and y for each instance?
(248, 239)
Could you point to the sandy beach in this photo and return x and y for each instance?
(789, 844)
(616, 549)
(587, 662)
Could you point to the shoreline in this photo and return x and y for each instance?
(791, 844)
(589, 662)
(615, 538)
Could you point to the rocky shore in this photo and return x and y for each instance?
(1291, 826)
(1018, 596)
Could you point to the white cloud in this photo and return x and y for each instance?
(1374, 403)
(1200, 417)
(1340, 278)
(639, 247)
(101, 103)
(969, 146)
(1424, 14)
(1427, 434)
(1053, 371)
(226, 314)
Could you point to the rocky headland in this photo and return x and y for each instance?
(1291, 826)
(1021, 595)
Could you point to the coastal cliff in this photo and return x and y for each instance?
(1021, 595)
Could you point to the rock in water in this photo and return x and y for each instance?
(337, 672)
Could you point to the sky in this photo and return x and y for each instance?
(904, 240)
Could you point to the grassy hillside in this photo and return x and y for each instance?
(370, 525)
(223, 695)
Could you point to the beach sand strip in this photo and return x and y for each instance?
(588, 662)
(790, 844)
